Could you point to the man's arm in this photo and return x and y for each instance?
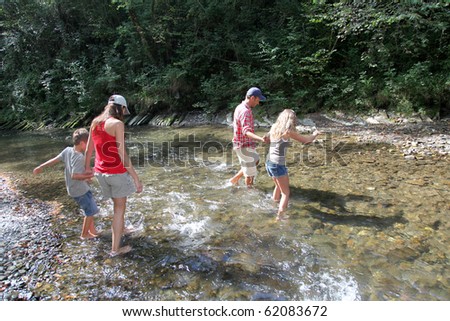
(248, 128)
(255, 137)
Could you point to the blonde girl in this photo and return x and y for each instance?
(280, 134)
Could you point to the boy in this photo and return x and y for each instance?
(76, 179)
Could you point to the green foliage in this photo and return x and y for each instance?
(388, 55)
(61, 59)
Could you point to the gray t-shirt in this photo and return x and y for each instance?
(74, 162)
(277, 151)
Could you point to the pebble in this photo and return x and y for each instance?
(413, 138)
(22, 224)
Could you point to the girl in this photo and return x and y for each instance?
(280, 134)
(113, 168)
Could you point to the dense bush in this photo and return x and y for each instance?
(61, 59)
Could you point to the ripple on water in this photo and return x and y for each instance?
(331, 285)
(374, 229)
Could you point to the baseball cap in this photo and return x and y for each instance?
(119, 100)
(255, 91)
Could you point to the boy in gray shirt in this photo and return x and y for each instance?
(76, 179)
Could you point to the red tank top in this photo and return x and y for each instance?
(107, 159)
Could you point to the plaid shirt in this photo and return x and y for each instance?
(243, 123)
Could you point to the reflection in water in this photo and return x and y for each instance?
(374, 229)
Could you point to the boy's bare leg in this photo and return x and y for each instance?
(88, 225)
(92, 230)
(85, 229)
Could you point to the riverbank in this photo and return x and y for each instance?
(29, 249)
(416, 137)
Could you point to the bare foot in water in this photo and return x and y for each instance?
(282, 217)
(90, 235)
(121, 251)
(235, 179)
(128, 230)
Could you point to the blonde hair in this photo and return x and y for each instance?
(111, 110)
(286, 121)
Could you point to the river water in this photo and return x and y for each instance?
(364, 223)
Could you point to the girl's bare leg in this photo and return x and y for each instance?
(276, 191)
(283, 184)
(117, 226)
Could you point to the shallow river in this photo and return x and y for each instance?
(364, 223)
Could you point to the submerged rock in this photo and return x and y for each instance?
(201, 263)
(267, 297)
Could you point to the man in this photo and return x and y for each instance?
(244, 137)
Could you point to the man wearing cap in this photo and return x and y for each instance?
(244, 137)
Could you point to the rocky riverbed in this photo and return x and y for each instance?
(30, 249)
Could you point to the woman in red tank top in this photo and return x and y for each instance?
(113, 169)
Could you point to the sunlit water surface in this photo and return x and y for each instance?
(364, 223)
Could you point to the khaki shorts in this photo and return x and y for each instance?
(116, 185)
(248, 158)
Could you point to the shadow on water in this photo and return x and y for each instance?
(338, 212)
(356, 219)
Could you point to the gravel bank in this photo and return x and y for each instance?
(29, 249)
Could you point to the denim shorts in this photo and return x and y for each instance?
(276, 170)
(87, 203)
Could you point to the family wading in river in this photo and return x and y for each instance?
(118, 179)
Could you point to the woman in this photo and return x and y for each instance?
(113, 168)
(280, 134)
